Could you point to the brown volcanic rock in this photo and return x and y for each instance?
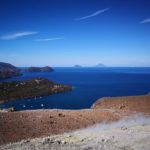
(15, 126)
(129, 103)
(30, 88)
(8, 70)
(40, 69)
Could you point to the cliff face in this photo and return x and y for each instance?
(30, 88)
(40, 69)
(8, 70)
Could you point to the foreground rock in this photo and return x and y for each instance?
(8, 70)
(40, 69)
(16, 126)
(10, 109)
(121, 135)
(30, 88)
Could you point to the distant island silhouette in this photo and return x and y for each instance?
(77, 66)
(100, 65)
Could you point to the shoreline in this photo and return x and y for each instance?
(102, 98)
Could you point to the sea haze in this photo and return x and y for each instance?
(88, 84)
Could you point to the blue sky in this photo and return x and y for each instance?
(69, 32)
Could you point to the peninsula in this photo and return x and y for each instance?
(30, 88)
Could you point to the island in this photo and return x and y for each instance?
(40, 69)
(100, 65)
(30, 88)
(8, 70)
(77, 66)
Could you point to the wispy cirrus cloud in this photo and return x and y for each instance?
(17, 35)
(146, 21)
(93, 14)
(8, 55)
(50, 39)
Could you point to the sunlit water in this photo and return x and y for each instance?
(88, 84)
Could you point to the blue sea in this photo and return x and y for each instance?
(89, 84)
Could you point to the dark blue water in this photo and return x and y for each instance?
(89, 84)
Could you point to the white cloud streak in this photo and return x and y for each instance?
(51, 39)
(8, 55)
(146, 21)
(93, 14)
(17, 35)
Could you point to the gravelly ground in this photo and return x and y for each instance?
(130, 134)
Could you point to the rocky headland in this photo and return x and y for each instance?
(139, 103)
(40, 69)
(30, 88)
(7, 70)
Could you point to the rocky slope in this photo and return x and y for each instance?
(126, 103)
(8, 70)
(16, 126)
(30, 88)
(40, 69)
(125, 134)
